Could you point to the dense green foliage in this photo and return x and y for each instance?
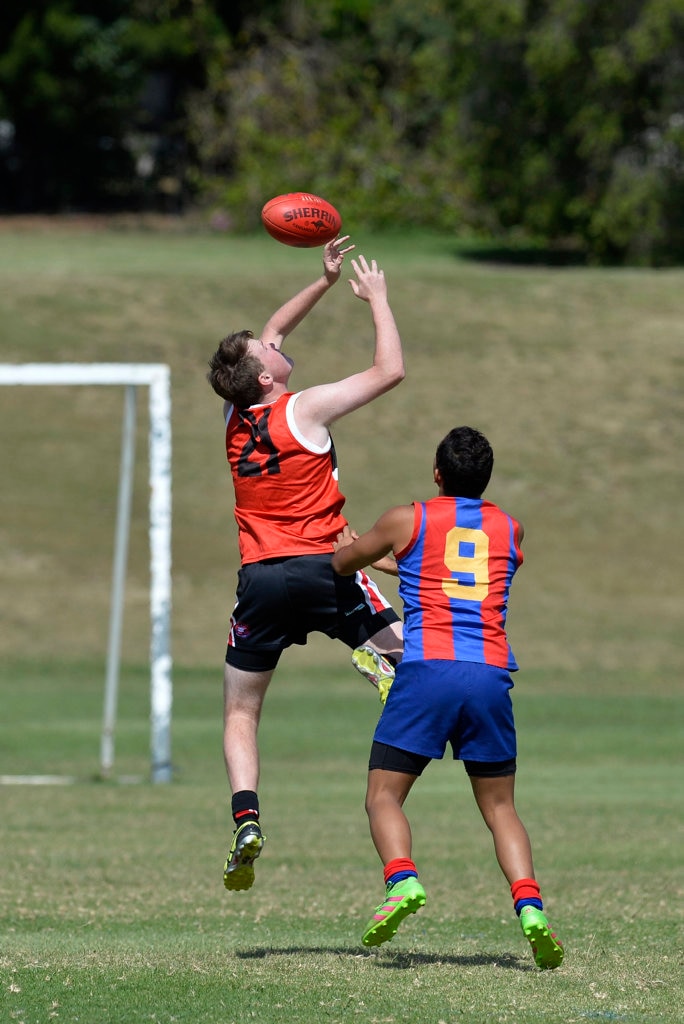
(549, 121)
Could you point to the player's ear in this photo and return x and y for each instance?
(437, 476)
(265, 379)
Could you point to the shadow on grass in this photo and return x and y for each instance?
(395, 961)
(521, 256)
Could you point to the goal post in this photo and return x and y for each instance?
(156, 377)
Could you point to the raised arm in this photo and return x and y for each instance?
(319, 406)
(285, 319)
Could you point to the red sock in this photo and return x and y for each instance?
(525, 893)
(251, 814)
(525, 889)
(403, 864)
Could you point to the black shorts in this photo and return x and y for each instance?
(281, 600)
(393, 759)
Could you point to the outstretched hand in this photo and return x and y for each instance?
(333, 256)
(370, 280)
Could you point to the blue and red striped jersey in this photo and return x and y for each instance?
(455, 575)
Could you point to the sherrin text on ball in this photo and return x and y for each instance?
(301, 220)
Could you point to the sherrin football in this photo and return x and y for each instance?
(301, 220)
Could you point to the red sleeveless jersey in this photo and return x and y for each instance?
(287, 499)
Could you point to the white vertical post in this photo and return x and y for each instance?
(158, 378)
(123, 523)
(160, 570)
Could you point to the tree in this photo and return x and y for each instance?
(552, 120)
(575, 127)
(66, 90)
(90, 100)
(341, 97)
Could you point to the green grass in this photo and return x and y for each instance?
(111, 903)
(113, 910)
(576, 375)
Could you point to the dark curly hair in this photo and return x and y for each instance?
(465, 459)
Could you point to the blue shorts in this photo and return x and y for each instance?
(432, 703)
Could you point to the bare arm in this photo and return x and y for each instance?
(285, 319)
(387, 564)
(391, 532)
(319, 406)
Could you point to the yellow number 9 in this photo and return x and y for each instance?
(466, 554)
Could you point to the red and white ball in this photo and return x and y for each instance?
(301, 220)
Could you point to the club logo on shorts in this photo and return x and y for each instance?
(356, 608)
(241, 630)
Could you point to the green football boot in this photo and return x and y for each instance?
(376, 668)
(546, 948)
(401, 899)
(238, 871)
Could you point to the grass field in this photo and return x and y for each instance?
(114, 911)
(111, 902)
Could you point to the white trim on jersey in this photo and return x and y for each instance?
(296, 432)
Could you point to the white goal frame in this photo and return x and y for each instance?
(155, 376)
